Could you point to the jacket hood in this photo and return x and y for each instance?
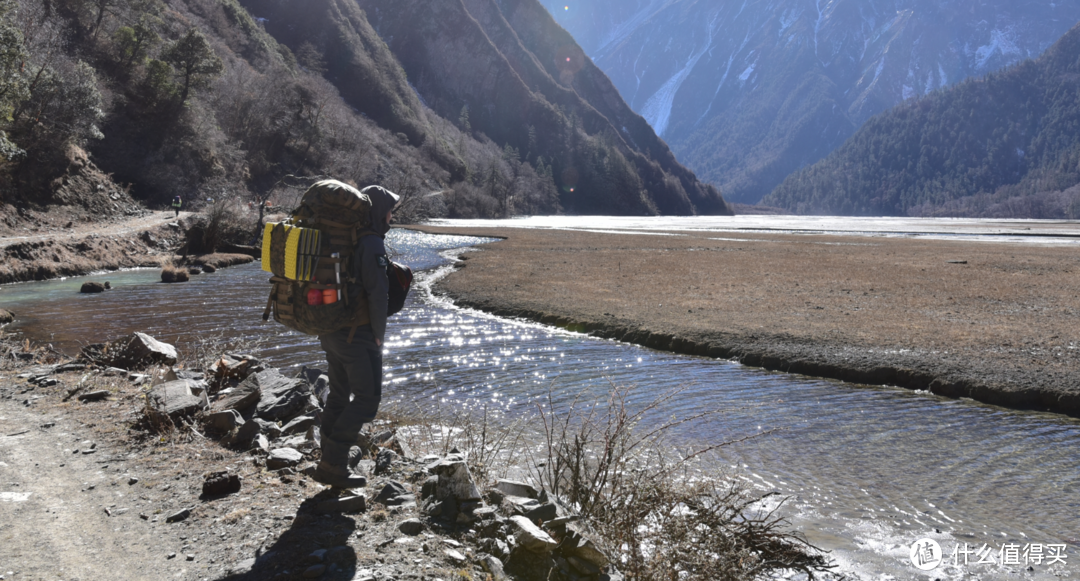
(382, 201)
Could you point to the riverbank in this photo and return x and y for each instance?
(989, 321)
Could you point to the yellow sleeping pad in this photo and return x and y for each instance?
(290, 251)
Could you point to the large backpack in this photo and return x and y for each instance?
(313, 250)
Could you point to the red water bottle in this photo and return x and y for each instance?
(314, 297)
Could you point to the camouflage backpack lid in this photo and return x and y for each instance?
(313, 251)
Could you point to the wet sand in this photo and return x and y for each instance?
(998, 323)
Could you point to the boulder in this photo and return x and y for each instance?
(515, 488)
(494, 568)
(531, 536)
(92, 288)
(281, 397)
(578, 545)
(224, 421)
(137, 351)
(384, 460)
(218, 483)
(298, 424)
(247, 431)
(6, 317)
(395, 494)
(411, 527)
(283, 458)
(455, 481)
(174, 399)
(238, 398)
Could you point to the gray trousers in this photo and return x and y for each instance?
(355, 372)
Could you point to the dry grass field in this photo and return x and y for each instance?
(992, 321)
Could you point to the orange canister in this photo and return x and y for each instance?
(329, 296)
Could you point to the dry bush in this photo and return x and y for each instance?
(658, 515)
(173, 273)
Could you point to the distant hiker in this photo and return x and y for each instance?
(176, 205)
(354, 354)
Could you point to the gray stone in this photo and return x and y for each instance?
(93, 395)
(137, 351)
(316, 556)
(299, 424)
(395, 494)
(384, 460)
(174, 399)
(6, 317)
(582, 566)
(271, 429)
(493, 567)
(345, 504)
(314, 571)
(531, 537)
(283, 458)
(281, 396)
(545, 512)
(247, 431)
(578, 545)
(92, 288)
(411, 527)
(454, 556)
(261, 443)
(518, 504)
(223, 421)
(515, 488)
(179, 516)
(454, 480)
(238, 398)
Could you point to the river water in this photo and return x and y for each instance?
(869, 470)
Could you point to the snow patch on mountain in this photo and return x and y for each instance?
(1002, 42)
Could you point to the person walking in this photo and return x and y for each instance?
(354, 354)
(176, 205)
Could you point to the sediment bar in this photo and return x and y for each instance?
(994, 322)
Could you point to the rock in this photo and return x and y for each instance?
(454, 556)
(209, 268)
(178, 516)
(271, 429)
(174, 399)
(345, 504)
(582, 566)
(383, 437)
(395, 494)
(493, 567)
(545, 512)
(384, 460)
(316, 556)
(94, 395)
(6, 317)
(341, 555)
(298, 424)
(238, 398)
(92, 287)
(133, 481)
(518, 504)
(429, 487)
(314, 571)
(224, 421)
(232, 366)
(411, 527)
(281, 396)
(137, 351)
(261, 443)
(283, 458)
(218, 483)
(454, 480)
(515, 488)
(531, 537)
(577, 545)
(245, 433)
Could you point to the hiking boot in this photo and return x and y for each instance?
(337, 476)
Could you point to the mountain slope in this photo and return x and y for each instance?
(511, 73)
(996, 146)
(747, 92)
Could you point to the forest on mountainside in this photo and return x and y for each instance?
(195, 98)
(1005, 145)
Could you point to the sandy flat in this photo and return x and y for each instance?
(997, 322)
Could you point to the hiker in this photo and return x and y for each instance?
(354, 354)
(176, 205)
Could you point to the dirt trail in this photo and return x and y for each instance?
(128, 226)
(56, 500)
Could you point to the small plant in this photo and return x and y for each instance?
(661, 518)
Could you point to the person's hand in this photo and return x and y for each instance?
(378, 342)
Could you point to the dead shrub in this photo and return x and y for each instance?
(660, 515)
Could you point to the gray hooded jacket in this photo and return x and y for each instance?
(370, 269)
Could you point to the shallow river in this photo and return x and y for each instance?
(869, 469)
